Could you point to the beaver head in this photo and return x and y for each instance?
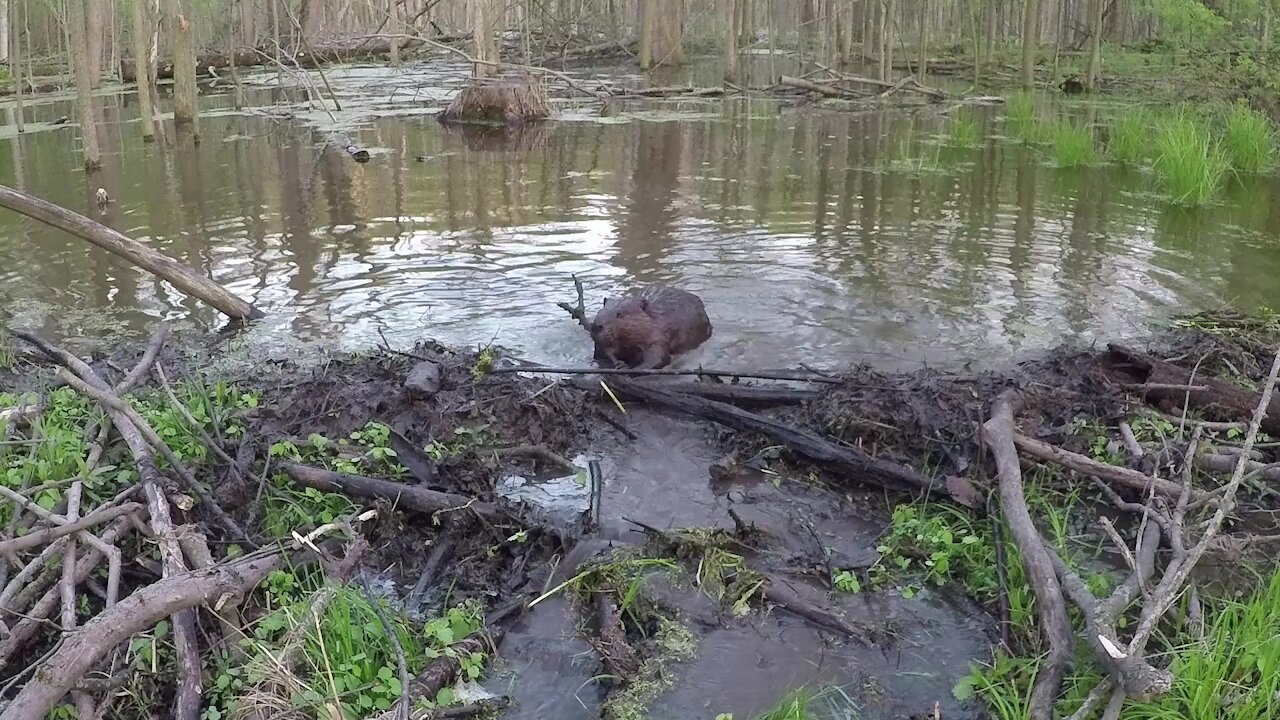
(631, 339)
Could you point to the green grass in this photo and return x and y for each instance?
(1129, 137)
(1232, 671)
(1021, 120)
(830, 703)
(1189, 164)
(963, 130)
(1249, 139)
(1073, 145)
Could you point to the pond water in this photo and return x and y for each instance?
(813, 235)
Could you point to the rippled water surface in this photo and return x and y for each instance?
(806, 233)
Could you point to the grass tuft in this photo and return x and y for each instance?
(1249, 139)
(1129, 132)
(1189, 164)
(1073, 145)
(1021, 120)
(963, 130)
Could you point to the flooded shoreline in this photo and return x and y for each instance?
(862, 237)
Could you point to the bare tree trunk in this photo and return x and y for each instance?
(922, 61)
(184, 69)
(988, 30)
(95, 34)
(482, 34)
(4, 31)
(1265, 31)
(1095, 44)
(393, 10)
(1030, 39)
(15, 65)
(78, 46)
(729, 17)
(142, 70)
(646, 22)
(882, 35)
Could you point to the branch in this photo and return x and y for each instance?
(999, 435)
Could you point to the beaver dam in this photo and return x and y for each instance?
(440, 533)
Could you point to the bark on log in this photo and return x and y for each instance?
(408, 497)
(81, 650)
(175, 273)
(1114, 474)
(1218, 400)
(857, 464)
(998, 433)
(820, 89)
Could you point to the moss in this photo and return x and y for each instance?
(672, 643)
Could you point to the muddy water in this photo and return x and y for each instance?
(807, 241)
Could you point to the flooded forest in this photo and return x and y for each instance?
(639, 359)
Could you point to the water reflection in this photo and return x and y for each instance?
(808, 237)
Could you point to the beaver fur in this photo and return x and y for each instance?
(648, 328)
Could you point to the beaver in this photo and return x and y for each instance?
(648, 328)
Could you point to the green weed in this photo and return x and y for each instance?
(1021, 119)
(831, 703)
(1249, 139)
(1231, 671)
(963, 130)
(1073, 145)
(1189, 164)
(1129, 137)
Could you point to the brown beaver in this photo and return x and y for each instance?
(648, 328)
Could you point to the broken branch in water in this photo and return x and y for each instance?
(181, 276)
(577, 312)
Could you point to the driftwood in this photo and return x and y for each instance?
(180, 276)
(408, 497)
(1171, 388)
(84, 648)
(1055, 626)
(827, 90)
(809, 377)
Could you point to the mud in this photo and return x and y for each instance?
(793, 522)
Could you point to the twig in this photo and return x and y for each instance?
(577, 312)
(40, 537)
(83, 649)
(140, 370)
(637, 372)
(1131, 441)
(186, 415)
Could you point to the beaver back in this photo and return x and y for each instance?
(654, 323)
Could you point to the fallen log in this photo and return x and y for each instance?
(1171, 387)
(814, 87)
(1115, 474)
(166, 268)
(83, 649)
(860, 466)
(1051, 607)
(409, 497)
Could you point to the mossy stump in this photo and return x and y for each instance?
(498, 101)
